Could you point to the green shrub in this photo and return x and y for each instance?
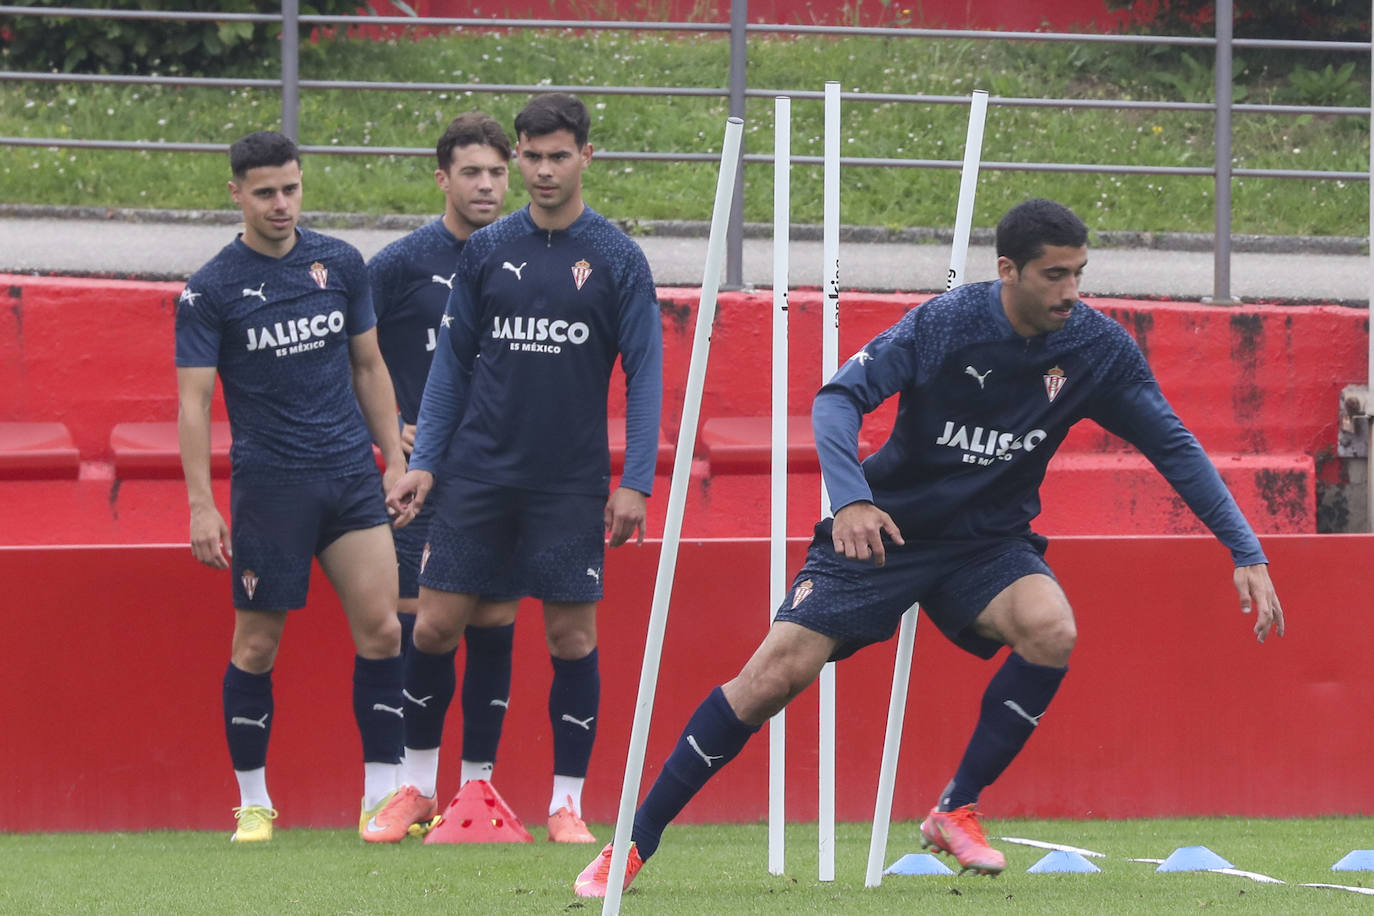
(141, 46)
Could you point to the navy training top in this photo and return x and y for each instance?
(277, 329)
(411, 279)
(517, 390)
(983, 409)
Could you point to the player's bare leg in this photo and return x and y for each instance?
(785, 663)
(361, 565)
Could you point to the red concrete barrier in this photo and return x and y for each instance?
(1258, 384)
(115, 656)
(37, 451)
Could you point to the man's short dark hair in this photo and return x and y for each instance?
(472, 128)
(263, 149)
(554, 111)
(1025, 230)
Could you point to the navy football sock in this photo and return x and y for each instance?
(486, 689)
(712, 738)
(1016, 698)
(378, 708)
(430, 682)
(247, 716)
(407, 633)
(574, 701)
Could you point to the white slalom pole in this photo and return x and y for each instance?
(830, 361)
(777, 544)
(906, 639)
(677, 500)
(887, 774)
(968, 187)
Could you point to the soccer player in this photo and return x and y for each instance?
(411, 281)
(513, 421)
(990, 377)
(285, 317)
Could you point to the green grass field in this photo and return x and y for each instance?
(890, 197)
(699, 869)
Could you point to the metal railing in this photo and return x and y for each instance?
(737, 91)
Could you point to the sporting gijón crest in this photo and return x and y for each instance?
(320, 274)
(1054, 381)
(581, 271)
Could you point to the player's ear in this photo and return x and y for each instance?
(1006, 270)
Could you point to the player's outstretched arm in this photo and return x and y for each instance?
(858, 532)
(1257, 593)
(407, 496)
(625, 514)
(209, 534)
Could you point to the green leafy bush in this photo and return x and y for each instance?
(1328, 86)
(202, 48)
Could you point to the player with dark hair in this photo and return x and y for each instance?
(990, 377)
(411, 281)
(513, 421)
(284, 316)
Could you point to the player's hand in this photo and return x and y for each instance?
(406, 497)
(210, 543)
(408, 438)
(1257, 593)
(625, 514)
(858, 532)
(392, 475)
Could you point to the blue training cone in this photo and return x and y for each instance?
(1356, 860)
(1193, 858)
(918, 863)
(1062, 861)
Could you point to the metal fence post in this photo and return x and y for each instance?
(734, 235)
(1221, 230)
(290, 68)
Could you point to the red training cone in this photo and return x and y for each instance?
(478, 814)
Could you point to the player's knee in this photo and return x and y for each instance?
(254, 653)
(379, 637)
(1051, 643)
(571, 644)
(569, 629)
(434, 636)
(759, 693)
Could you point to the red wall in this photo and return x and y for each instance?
(1258, 384)
(1169, 707)
(1007, 15)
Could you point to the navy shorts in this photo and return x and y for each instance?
(499, 541)
(859, 604)
(410, 553)
(410, 545)
(278, 530)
